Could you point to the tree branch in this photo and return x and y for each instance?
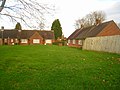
(26, 10)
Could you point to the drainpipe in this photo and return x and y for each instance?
(19, 40)
(2, 30)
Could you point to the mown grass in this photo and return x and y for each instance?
(57, 68)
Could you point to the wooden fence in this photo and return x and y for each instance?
(106, 44)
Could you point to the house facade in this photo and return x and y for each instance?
(77, 38)
(26, 37)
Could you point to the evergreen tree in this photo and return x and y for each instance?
(18, 26)
(56, 26)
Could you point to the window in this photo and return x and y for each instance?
(16, 40)
(68, 41)
(80, 42)
(24, 40)
(5, 40)
(36, 41)
(74, 42)
(11, 40)
(48, 41)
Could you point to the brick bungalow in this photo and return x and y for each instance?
(26, 37)
(76, 39)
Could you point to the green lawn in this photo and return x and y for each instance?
(57, 68)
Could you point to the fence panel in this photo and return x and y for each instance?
(106, 44)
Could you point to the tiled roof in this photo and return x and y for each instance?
(9, 34)
(47, 34)
(84, 32)
(25, 34)
(74, 34)
(91, 31)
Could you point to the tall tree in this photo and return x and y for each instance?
(29, 12)
(90, 19)
(56, 26)
(18, 26)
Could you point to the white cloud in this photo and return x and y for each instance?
(70, 10)
(114, 12)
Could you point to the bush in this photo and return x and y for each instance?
(60, 43)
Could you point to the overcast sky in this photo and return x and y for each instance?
(67, 11)
(71, 10)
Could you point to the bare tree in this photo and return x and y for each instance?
(28, 12)
(2, 2)
(79, 23)
(100, 15)
(90, 19)
(42, 24)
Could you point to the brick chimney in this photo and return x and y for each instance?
(98, 21)
(82, 26)
(2, 28)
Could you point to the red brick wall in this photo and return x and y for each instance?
(0, 41)
(8, 41)
(74, 45)
(36, 36)
(111, 29)
(12, 41)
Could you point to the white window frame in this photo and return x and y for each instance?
(48, 41)
(24, 41)
(80, 42)
(11, 40)
(74, 41)
(68, 41)
(16, 40)
(36, 41)
(5, 40)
